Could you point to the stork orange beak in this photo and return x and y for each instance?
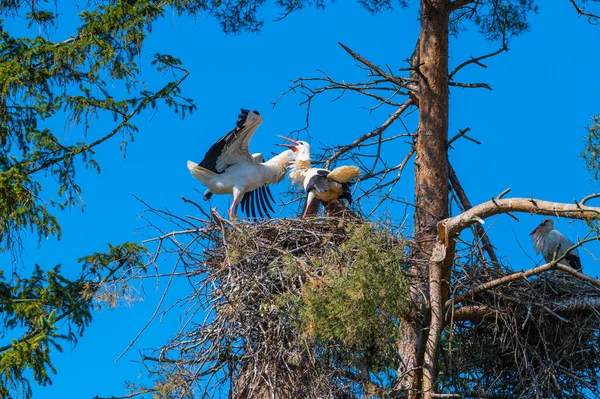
(291, 147)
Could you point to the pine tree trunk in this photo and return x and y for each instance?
(431, 198)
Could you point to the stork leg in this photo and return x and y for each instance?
(310, 198)
(237, 197)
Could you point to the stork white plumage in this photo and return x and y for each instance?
(229, 168)
(553, 244)
(319, 184)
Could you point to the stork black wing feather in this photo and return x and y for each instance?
(244, 203)
(262, 202)
(252, 208)
(268, 190)
(574, 261)
(257, 202)
(214, 152)
(264, 191)
(212, 155)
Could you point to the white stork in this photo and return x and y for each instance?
(319, 184)
(229, 168)
(552, 244)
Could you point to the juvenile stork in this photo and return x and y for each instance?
(552, 244)
(229, 168)
(319, 184)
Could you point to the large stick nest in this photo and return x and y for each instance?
(535, 338)
(252, 279)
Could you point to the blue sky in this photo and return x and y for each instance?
(532, 125)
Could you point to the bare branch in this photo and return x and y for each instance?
(500, 281)
(472, 313)
(131, 395)
(454, 225)
(462, 133)
(402, 82)
(589, 197)
(477, 60)
(592, 18)
(503, 193)
(462, 196)
(471, 85)
(580, 275)
(373, 133)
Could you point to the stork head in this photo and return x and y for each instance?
(300, 148)
(544, 228)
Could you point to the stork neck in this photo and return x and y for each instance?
(298, 172)
(277, 166)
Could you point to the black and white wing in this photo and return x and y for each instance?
(318, 181)
(233, 147)
(257, 201)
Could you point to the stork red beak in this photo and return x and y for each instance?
(291, 147)
(534, 231)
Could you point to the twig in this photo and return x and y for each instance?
(584, 13)
(377, 131)
(498, 282)
(131, 395)
(462, 196)
(471, 85)
(399, 81)
(503, 193)
(589, 197)
(475, 60)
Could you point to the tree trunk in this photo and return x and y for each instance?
(431, 199)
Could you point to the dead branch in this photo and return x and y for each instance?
(454, 225)
(500, 281)
(476, 60)
(592, 18)
(589, 197)
(131, 395)
(342, 150)
(471, 85)
(402, 82)
(463, 133)
(462, 196)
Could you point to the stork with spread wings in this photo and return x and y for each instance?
(229, 168)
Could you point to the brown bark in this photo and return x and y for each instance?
(418, 351)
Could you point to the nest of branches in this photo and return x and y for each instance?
(281, 312)
(531, 338)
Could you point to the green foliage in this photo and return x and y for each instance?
(92, 75)
(74, 80)
(591, 153)
(495, 19)
(35, 306)
(361, 303)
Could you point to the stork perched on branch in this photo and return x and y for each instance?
(319, 184)
(229, 168)
(553, 244)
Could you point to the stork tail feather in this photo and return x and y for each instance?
(574, 261)
(343, 174)
(199, 172)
